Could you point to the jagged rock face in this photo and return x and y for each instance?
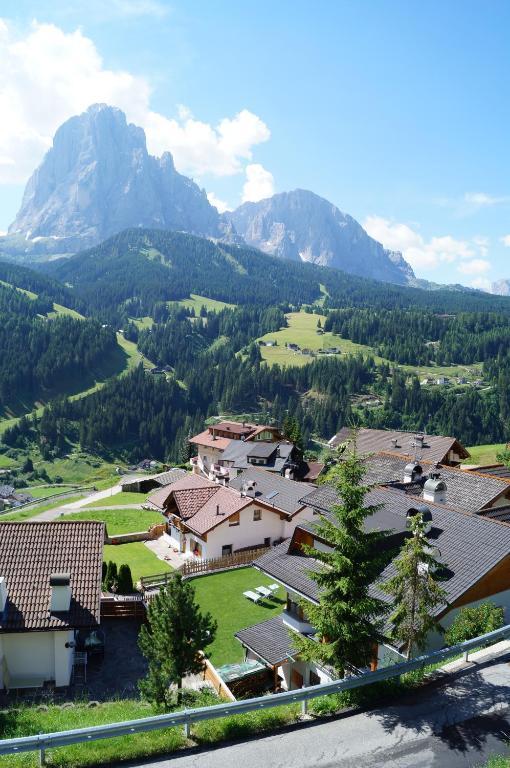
(99, 179)
(501, 288)
(302, 226)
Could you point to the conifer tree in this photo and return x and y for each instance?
(348, 619)
(175, 632)
(415, 590)
(125, 580)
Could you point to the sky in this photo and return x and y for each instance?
(396, 112)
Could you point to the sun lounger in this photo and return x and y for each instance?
(274, 587)
(264, 591)
(252, 596)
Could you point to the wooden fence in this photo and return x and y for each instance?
(236, 560)
(122, 607)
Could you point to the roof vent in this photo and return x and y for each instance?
(3, 594)
(60, 584)
(412, 472)
(424, 512)
(435, 489)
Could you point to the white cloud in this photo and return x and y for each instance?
(474, 267)
(505, 240)
(484, 200)
(47, 75)
(425, 255)
(259, 183)
(221, 205)
(472, 202)
(483, 283)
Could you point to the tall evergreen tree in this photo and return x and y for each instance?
(347, 619)
(415, 590)
(175, 633)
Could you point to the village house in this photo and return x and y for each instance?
(50, 588)
(410, 445)
(206, 519)
(474, 551)
(213, 441)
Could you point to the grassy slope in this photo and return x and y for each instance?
(120, 520)
(123, 497)
(197, 302)
(484, 454)
(222, 595)
(302, 330)
(27, 514)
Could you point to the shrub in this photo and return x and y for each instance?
(472, 622)
(58, 479)
(125, 580)
(111, 578)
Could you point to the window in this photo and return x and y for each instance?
(234, 520)
(314, 678)
(257, 514)
(267, 542)
(226, 550)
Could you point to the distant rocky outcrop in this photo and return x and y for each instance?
(302, 226)
(99, 179)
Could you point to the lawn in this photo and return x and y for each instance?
(120, 520)
(27, 514)
(140, 559)
(484, 454)
(222, 595)
(45, 492)
(121, 497)
(59, 309)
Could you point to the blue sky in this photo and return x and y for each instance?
(397, 112)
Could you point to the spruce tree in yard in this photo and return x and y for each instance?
(348, 618)
(175, 632)
(415, 590)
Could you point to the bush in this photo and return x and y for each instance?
(58, 480)
(125, 580)
(111, 578)
(472, 622)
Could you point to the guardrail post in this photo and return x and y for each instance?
(42, 754)
(466, 655)
(187, 729)
(304, 707)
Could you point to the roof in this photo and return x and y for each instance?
(207, 440)
(500, 471)
(238, 451)
(273, 489)
(311, 470)
(188, 481)
(223, 501)
(6, 491)
(468, 491)
(30, 553)
(170, 476)
(234, 427)
(271, 640)
(435, 448)
(262, 449)
(468, 545)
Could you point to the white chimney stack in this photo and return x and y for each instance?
(3, 594)
(60, 592)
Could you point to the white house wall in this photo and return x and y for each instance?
(38, 654)
(249, 532)
(306, 515)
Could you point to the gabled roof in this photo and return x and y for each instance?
(468, 545)
(435, 448)
(239, 450)
(273, 490)
(189, 481)
(30, 553)
(468, 491)
(209, 441)
(271, 640)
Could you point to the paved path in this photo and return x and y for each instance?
(74, 506)
(454, 724)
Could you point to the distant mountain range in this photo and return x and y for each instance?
(99, 179)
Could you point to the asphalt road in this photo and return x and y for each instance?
(458, 724)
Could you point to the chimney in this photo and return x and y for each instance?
(412, 472)
(435, 489)
(424, 512)
(60, 584)
(3, 594)
(217, 509)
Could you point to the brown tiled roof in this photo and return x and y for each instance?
(159, 497)
(190, 500)
(206, 439)
(30, 553)
(435, 448)
(235, 427)
(229, 502)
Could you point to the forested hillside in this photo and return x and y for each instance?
(210, 361)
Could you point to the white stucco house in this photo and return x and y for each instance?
(206, 519)
(50, 587)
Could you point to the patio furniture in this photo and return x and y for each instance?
(252, 596)
(264, 591)
(274, 587)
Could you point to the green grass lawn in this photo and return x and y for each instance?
(120, 520)
(59, 309)
(140, 559)
(6, 462)
(484, 454)
(45, 492)
(122, 497)
(222, 595)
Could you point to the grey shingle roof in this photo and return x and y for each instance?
(171, 476)
(435, 448)
(30, 553)
(273, 489)
(271, 640)
(468, 491)
(276, 454)
(468, 545)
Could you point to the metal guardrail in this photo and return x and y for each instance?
(186, 718)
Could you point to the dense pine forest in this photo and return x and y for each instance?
(211, 363)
